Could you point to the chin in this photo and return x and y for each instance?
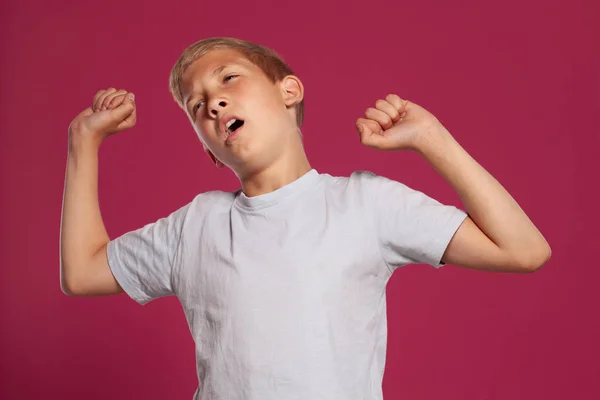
(253, 152)
(251, 163)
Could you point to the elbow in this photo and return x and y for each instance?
(67, 287)
(72, 290)
(67, 284)
(535, 259)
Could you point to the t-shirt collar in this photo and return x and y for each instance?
(276, 196)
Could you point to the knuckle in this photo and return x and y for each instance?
(394, 100)
(98, 95)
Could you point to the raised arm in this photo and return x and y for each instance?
(84, 269)
(497, 235)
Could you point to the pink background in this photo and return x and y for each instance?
(517, 83)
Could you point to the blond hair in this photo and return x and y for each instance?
(266, 59)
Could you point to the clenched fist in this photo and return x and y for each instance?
(397, 124)
(112, 111)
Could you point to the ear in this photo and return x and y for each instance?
(212, 157)
(292, 90)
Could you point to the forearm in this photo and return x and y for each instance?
(82, 229)
(488, 204)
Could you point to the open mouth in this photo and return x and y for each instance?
(233, 125)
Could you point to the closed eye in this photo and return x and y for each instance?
(229, 77)
(197, 106)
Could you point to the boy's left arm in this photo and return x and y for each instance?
(497, 235)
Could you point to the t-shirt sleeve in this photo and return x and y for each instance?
(412, 228)
(142, 260)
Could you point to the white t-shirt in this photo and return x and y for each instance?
(285, 293)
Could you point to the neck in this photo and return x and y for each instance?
(285, 170)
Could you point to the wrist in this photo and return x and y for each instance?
(79, 143)
(82, 152)
(433, 139)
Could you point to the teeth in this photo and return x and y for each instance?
(231, 122)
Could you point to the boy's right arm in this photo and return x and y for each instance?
(84, 268)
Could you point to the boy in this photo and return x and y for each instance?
(283, 282)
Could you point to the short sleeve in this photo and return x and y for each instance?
(412, 228)
(142, 260)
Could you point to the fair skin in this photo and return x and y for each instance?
(84, 269)
(497, 235)
(267, 153)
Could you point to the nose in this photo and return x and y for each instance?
(216, 106)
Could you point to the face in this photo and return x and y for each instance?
(244, 120)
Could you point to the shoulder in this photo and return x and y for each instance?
(376, 191)
(360, 180)
(202, 207)
(361, 187)
(355, 177)
(211, 201)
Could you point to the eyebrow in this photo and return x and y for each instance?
(217, 71)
